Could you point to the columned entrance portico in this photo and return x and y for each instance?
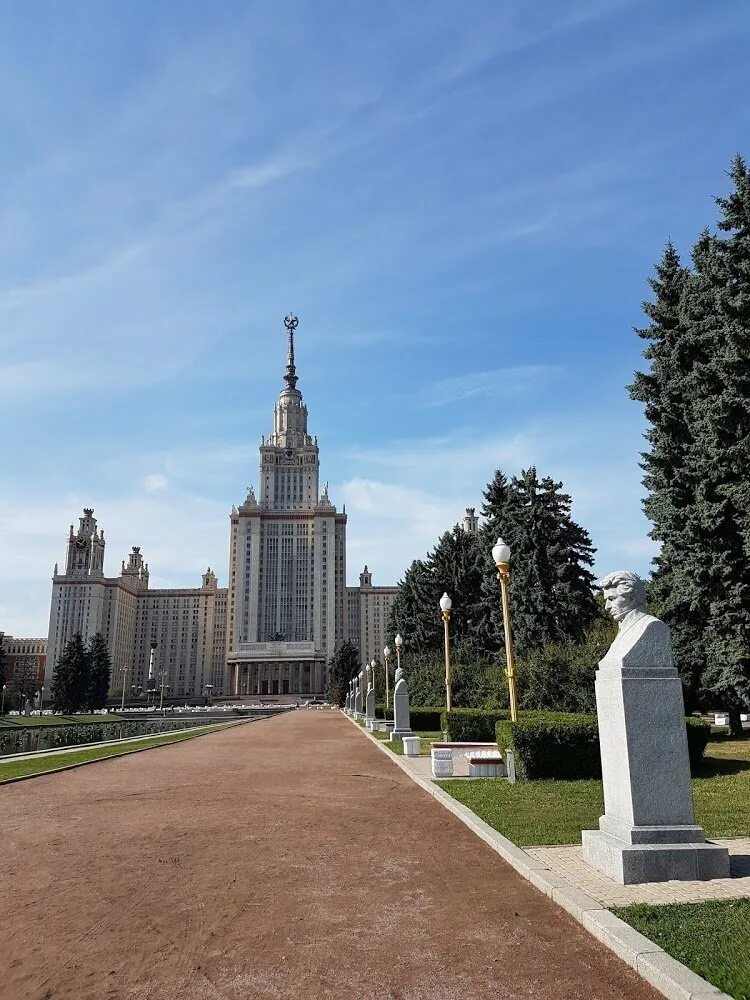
(277, 668)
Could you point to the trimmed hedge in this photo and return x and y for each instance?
(557, 745)
(565, 746)
(472, 725)
(423, 719)
(698, 734)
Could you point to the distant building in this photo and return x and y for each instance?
(24, 655)
(272, 630)
(130, 615)
(368, 608)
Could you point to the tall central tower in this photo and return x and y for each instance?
(286, 610)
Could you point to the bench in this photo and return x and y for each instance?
(443, 755)
(487, 767)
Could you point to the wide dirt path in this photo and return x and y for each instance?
(288, 858)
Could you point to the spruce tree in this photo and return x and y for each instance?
(551, 593)
(697, 396)
(412, 611)
(669, 470)
(722, 450)
(343, 666)
(70, 677)
(550, 583)
(100, 670)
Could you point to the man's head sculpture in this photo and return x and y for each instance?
(623, 592)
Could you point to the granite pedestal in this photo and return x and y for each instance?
(648, 831)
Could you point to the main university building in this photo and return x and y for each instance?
(286, 608)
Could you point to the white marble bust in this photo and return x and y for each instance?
(642, 640)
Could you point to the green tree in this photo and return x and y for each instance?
(550, 585)
(70, 677)
(343, 665)
(668, 466)
(560, 676)
(100, 670)
(722, 455)
(697, 399)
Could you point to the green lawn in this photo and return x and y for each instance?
(50, 762)
(397, 746)
(713, 939)
(24, 721)
(554, 812)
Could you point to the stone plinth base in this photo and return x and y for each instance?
(400, 734)
(630, 864)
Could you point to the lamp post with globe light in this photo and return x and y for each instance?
(445, 608)
(399, 643)
(501, 558)
(386, 657)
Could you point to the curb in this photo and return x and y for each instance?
(670, 977)
(114, 756)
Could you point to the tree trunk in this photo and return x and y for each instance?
(735, 723)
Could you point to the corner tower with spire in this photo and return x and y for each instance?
(287, 583)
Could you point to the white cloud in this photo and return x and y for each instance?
(156, 482)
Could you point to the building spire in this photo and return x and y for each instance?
(290, 377)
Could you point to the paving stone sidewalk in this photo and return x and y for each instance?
(567, 861)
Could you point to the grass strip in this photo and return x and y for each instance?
(27, 768)
(531, 813)
(712, 938)
(397, 746)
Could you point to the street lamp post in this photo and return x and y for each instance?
(122, 700)
(501, 558)
(41, 699)
(399, 643)
(2, 706)
(445, 608)
(386, 657)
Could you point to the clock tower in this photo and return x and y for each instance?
(85, 556)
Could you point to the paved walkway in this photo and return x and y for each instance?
(567, 860)
(288, 859)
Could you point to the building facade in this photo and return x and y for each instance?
(287, 562)
(273, 629)
(130, 615)
(25, 659)
(368, 609)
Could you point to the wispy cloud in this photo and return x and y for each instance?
(498, 382)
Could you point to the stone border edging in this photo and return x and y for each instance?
(123, 753)
(670, 977)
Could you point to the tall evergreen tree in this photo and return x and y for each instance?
(550, 584)
(669, 470)
(343, 666)
(100, 670)
(697, 396)
(70, 677)
(723, 456)
(412, 611)
(454, 566)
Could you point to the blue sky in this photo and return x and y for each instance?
(461, 202)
